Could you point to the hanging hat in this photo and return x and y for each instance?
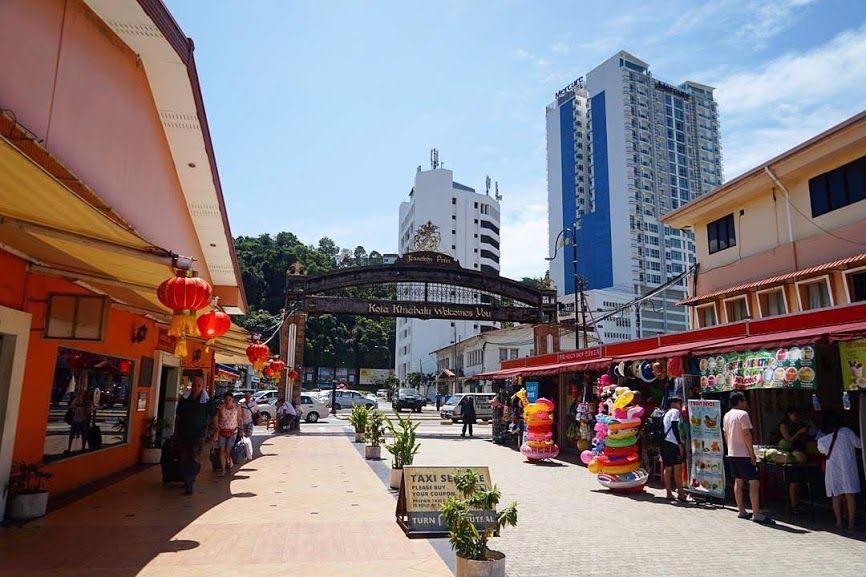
(620, 369)
(646, 372)
(635, 369)
(604, 380)
(675, 367)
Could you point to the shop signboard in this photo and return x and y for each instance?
(374, 376)
(422, 493)
(707, 473)
(786, 368)
(853, 357)
(531, 391)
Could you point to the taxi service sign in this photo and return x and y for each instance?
(422, 493)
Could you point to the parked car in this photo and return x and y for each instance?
(483, 408)
(265, 397)
(312, 409)
(409, 399)
(382, 393)
(348, 398)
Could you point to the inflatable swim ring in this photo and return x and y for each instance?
(622, 434)
(626, 482)
(620, 451)
(606, 460)
(628, 442)
(620, 469)
(533, 436)
(624, 424)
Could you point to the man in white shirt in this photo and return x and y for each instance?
(672, 450)
(251, 413)
(742, 459)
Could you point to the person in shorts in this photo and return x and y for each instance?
(672, 450)
(741, 458)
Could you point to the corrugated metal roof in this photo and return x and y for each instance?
(844, 262)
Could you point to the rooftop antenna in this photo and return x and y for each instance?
(497, 195)
(434, 158)
(419, 168)
(487, 184)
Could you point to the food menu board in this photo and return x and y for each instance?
(853, 357)
(707, 473)
(791, 368)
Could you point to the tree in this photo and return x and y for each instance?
(414, 379)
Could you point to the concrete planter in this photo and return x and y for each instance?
(359, 437)
(396, 478)
(494, 567)
(151, 456)
(29, 506)
(373, 452)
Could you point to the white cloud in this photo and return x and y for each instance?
(526, 56)
(769, 18)
(524, 234)
(787, 100)
(560, 48)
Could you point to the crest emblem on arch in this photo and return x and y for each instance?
(427, 238)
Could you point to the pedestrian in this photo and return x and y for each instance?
(230, 424)
(794, 430)
(438, 400)
(673, 450)
(742, 460)
(81, 410)
(252, 414)
(285, 415)
(841, 478)
(467, 413)
(195, 411)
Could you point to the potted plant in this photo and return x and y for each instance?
(358, 419)
(468, 539)
(28, 500)
(403, 448)
(151, 452)
(374, 434)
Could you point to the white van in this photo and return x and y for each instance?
(483, 408)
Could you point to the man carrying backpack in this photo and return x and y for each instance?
(673, 449)
(251, 413)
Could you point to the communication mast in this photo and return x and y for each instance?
(434, 158)
(497, 196)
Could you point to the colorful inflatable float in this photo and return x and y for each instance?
(538, 440)
(614, 456)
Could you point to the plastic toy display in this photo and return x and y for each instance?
(614, 455)
(538, 416)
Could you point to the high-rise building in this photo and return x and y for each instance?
(623, 149)
(468, 224)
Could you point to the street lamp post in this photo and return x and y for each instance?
(579, 280)
(390, 366)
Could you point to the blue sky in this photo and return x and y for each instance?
(320, 111)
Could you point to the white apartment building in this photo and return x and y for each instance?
(484, 353)
(468, 223)
(623, 149)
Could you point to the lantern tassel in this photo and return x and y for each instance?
(180, 349)
(182, 324)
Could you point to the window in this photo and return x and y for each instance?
(489, 226)
(707, 316)
(856, 282)
(814, 294)
(838, 188)
(773, 303)
(737, 309)
(453, 200)
(515, 353)
(720, 234)
(76, 317)
(98, 389)
(503, 355)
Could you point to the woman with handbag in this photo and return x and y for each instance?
(840, 474)
(230, 424)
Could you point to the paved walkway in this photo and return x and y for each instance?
(322, 513)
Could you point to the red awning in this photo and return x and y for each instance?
(836, 264)
(448, 373)
(672, 350)
(548, 369)
(833, 333)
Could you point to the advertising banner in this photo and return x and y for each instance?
(531, 391)
(788, 368)
(374, 376)
(853, 357)
(425, 489)
(707, 467)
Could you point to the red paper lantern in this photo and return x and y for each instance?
(124, 367)
(213, 325)
(258, 354)
(76, 362)
(184, 295)
(277, 367)
(293, 374)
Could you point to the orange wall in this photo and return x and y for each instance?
(96, 114)
(38, 379)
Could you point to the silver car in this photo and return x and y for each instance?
(483, 408)
(348, 399)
